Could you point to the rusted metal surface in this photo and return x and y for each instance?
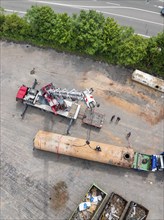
(93, 118)
(148, 80)
(76, 147)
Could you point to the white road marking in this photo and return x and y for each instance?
(100, 7)
(54, 3)
(87, 6)
(112, 3)
(143, 35)
(13, 11)
(132, 18)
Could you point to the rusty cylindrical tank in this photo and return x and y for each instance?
(76, 147)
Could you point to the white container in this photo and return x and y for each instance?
(84, 205)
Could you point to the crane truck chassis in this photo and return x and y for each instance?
(99, 152)
(61, 102)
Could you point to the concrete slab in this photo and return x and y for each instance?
(28, 178)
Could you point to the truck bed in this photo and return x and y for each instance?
(93, 118)
(142, 161)
(39, 102)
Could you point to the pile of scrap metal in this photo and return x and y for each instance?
(136, 211)
(114, 208)
(117, 208)
(95, 206)
(90, 204)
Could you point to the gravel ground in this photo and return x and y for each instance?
(40, 185)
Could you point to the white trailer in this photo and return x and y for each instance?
(148, 80)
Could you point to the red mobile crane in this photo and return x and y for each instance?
(60, 102)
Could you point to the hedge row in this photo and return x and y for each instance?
(88, 33)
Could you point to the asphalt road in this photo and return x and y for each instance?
(143, 15)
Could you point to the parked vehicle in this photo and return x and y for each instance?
(147, 162)
(61, 102)
(162, 11)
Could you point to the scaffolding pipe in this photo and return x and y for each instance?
(76, 147)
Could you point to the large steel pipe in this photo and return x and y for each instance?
(76, 147)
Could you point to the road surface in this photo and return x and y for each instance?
(144, 15)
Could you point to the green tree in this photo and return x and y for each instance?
(159, 59)
(15, 27)
(2, 20)
(41, 20)
(132, 50)
(153, 61)
(112, 37)
(86, 32)
(61, 30)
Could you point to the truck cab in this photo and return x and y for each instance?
(158, 162)
(147, 162)
(21, 93)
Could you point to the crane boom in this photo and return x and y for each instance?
(72, 95)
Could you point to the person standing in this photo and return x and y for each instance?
(112, 118)
(117, 120)
(128, 135)
(32, 71)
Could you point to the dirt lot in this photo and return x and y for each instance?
(40, 185)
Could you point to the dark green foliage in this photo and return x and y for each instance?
(15, 27)
(2, 21)
(153, 61)
(61, 30)
(132, 50)
(113, 38)
(41, 20)
(88, 33)
(159, 59)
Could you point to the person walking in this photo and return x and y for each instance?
(112, 118)
(117, 120)
(128, 135)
